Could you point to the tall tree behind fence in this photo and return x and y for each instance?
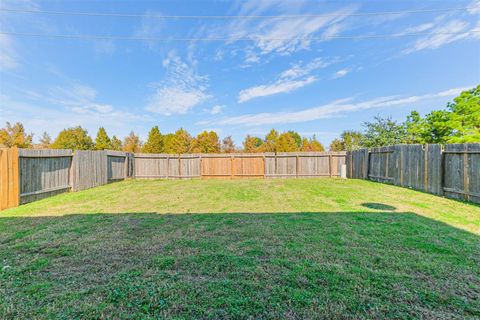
(453, 171)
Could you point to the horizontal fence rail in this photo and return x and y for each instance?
(452, 170)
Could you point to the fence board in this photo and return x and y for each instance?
(9, 178)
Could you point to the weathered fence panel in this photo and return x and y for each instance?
(9, 178)
(89, 169)
(462, 171)
(117, 165)
(43, 173)
(358, 163)
(382, 164)
(304, 164)
(189, 166)
(453, 172)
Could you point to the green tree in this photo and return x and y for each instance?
(11, 136)
(227, 145)
(337, 145)
(169, 145)
(154, 142)
(383, 132)
(415, 128)
(183, 141)
(270, 143)
(45, 141)
(296, 136)
(132, 143)
(206, 142)
(102, 141)
(465, 117)
(286, 143)
(116, 144)
(75, 138)
(252, 144)
(348, 141)
(312, 145)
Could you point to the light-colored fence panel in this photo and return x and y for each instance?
(43, 173)
(89, 169)
(216, 166)
(248, 166)
(304, 164)
(151, 165)
(189, 166)
(9, 178)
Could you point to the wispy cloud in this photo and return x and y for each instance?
(78, 98)
(281, 86)
(214, 110)
(443, 31)
(8, 55)
(341, 73)
(182, 90)
(269, 34)
(333, 109)
(297, 76)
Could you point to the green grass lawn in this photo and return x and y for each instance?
(307, 248)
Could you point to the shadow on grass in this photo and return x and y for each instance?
(238, 265)
(378, 206)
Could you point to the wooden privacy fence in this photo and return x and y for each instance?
(239, 165)
(29, 175)
(452, 171)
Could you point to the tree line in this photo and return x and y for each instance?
(459, 122)
(180, 141)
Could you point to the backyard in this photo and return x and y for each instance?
(293, 248)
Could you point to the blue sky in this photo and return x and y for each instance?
(235, 87)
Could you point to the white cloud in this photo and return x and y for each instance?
(281, 86)
(441, 36)
(341, 73)
(78, 98)
(8, 57)
(281, 36)
(40, 116)
(330, 110)
(181, 91)
(214, 110)
(474, 7)
(442, 32)
(297, 76)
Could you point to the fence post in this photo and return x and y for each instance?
(264, 167)
(231, 167)
(330, 164)
(425, 169)
(466, 181)
(296, 166)
(179, 166)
